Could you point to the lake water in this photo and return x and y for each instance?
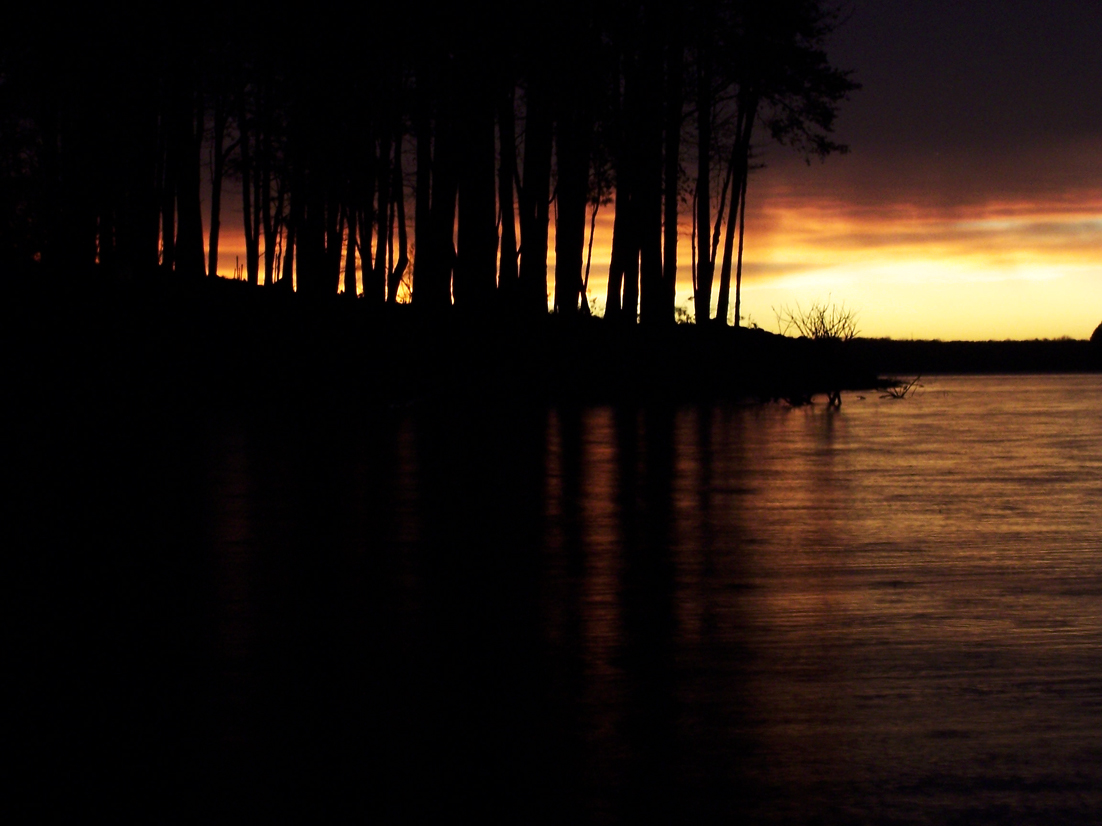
(887, 613)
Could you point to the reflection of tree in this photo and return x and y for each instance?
(496, 115)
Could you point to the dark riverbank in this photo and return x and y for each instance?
(216, 341)
(220, 340)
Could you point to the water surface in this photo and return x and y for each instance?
(886, 613)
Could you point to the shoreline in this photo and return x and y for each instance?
(218, 341)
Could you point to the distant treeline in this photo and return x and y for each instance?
(910, 358)
(489, 120)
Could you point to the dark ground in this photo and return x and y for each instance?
(210, 341)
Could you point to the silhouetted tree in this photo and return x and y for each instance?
(219, 152)
(511, 110)
(577, 47)
(477, 233)
(773, 59)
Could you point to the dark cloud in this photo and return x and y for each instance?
(962, 103)
(945, 183)
(982, 74)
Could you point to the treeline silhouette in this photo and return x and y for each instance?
(490, 121)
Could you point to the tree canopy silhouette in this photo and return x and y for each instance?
(412, 145)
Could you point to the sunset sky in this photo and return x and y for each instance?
(970, 203)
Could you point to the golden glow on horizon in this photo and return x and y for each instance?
(1001, 270)
(994, 271)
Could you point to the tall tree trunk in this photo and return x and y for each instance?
(334, 237)
(264, 202)
(741, 238)
(439, 251)
(127, 201)
(252, 243)
(648, 204)
(366, 222)
(623, 263)
(589, 255)
(632, 174)
(535, 199)
(476, 264)
(310, 238)
(674, 69)
(507, 171)
(253, 254)
(294, 221)
(717, 229)
(399, 199)
(576, 44)
(573, 140)
(706, 268)
(637, 229)
(189, 242)
(379, 277)
(218, 163)
(168, 191)
(629, 310)
(132, 204)
(422, 211)
(350, 254)
(740, 156)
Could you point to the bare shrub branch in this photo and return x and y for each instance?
(822, 321)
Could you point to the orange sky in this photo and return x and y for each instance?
(995, 266)
(989, 270)
(951, 245)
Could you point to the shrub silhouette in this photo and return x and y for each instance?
(822, 321)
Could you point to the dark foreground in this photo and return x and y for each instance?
(568, 614)
(217, 340)
(263, 563)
